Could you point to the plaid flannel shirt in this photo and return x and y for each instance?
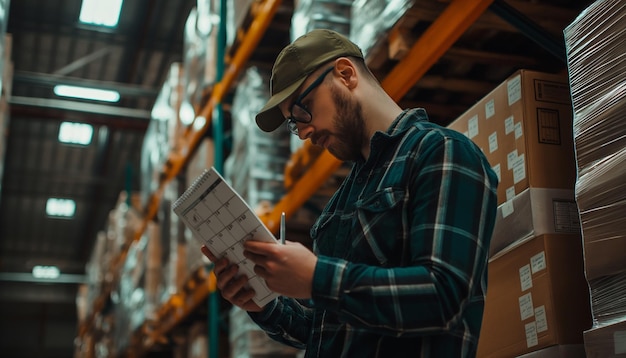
(402, 252)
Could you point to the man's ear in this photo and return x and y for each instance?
(346, 70)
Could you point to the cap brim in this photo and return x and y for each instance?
(270, 117)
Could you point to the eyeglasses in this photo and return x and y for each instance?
(298, 111)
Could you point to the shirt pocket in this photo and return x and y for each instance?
(382, 218)
(332, 234)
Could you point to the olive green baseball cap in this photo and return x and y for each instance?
(295, 63)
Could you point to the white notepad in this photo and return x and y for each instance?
(219, 218)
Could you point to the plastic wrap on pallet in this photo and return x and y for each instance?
(123, 222)
(199, 46)
(128, 296)
(5, 48)
(596, 59)
(372, 19)
(194, 53)
(320, 14)
(237, 11)
(173, 245)
(153, 272)
(256, 165)
(4, 133)
(162, 133)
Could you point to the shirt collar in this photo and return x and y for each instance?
(405, 120)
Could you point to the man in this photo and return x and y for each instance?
(401, 249)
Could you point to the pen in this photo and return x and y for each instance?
(282, 228)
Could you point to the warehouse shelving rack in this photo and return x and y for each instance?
(434, 42)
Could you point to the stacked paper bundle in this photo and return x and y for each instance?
(595, 44)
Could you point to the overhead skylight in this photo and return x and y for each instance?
(49, 272)
(87, 93)
(100, 13)
(75, 133)
(62, 208)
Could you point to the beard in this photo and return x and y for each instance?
(350, 127)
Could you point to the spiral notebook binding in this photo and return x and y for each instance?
(192, 188)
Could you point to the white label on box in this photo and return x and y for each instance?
(496, 168)
(518, 130)
(472, 126)
(526, 306)
(514, 89)
(540, 319)
(519, 169)
(509, 125)
(510, 193)
(538, 262)
(619, 337)
(466, 133)
(510, 159)
(531, 334)
(566, 217)
(490, 108)
(507, 208)
(493, 142)
(525, 277)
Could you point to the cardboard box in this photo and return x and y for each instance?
(537, 297)
(534, 212)
(606, 341)
(524, 127)
(558, 351)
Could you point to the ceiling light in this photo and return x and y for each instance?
(100, 13)
(49, 272)
(75, 133)
(87, 93)
(61, 207)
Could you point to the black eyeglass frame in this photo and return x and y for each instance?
(308, 117)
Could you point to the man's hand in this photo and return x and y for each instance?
(288, 269)
(232, 288)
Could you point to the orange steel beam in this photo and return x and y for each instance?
(178, 308)
(325, 165)
(434, 42)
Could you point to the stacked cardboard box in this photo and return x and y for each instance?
(597, 74)
(537, 298)
(524, 128)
